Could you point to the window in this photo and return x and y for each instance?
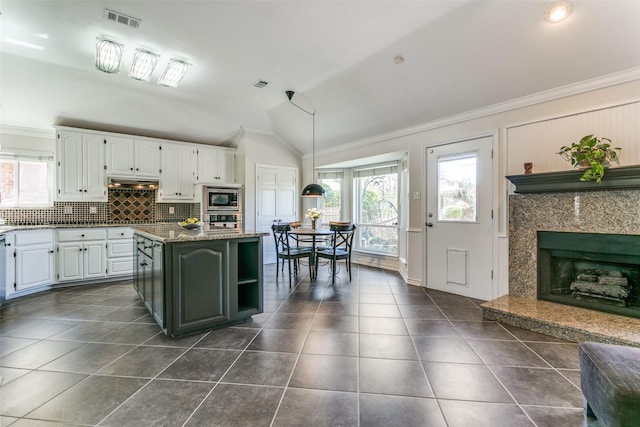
(25, 181)
(457, 188)
(332, 201)
(376, 190)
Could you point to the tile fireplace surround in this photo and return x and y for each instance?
(615, 212)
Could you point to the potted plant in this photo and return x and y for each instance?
(592, 153)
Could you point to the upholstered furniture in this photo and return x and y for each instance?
(610, 381)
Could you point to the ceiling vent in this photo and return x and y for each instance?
(121, 18)
(260, 84)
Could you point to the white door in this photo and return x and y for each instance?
(459, 218)
(276, 200)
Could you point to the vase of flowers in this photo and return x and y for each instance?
(313, 214)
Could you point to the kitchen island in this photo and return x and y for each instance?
(194, 280)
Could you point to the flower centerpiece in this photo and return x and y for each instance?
(313, 214)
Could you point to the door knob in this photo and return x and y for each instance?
(429, 224)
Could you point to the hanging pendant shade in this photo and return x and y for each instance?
(313, 190)
(310, 190)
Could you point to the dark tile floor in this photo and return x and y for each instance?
(372, 352)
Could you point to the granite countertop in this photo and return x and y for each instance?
(175, 233)
(7, 228)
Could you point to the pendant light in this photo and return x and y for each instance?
(310, 190)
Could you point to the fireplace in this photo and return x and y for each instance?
(590, 270)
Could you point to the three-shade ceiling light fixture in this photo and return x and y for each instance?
(109, 56)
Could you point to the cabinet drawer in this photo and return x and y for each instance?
(119, 233)
(31, 237)
(120, 266)
(119, 248)
(81, 234)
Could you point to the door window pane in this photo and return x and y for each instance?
(457, 200)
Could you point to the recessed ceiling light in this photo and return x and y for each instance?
(558, 11)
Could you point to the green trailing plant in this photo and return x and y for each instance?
(592, 153)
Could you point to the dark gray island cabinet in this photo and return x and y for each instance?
(194, 280)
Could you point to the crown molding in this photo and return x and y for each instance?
(613, 79)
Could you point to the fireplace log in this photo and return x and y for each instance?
(611, 280)
(587, 277)
(600, 289)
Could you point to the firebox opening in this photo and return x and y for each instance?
(590, 270)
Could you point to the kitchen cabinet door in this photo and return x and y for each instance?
(199, 285)
(93, 164)
(94, 259)
(147, 159)
(226, 167)
(176, 181)
(70, 259)
(127, 157)
(120, 156)
(215, 165)
(81, 162)
(34, 266)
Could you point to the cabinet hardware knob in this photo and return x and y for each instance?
(82, 235)
(429, 224)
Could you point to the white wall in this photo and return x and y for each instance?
(414, 142)
(15, 139)
(256, 148)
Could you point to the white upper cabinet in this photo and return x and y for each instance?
(215, 165)
(81, 167)
(177, 178)
(131, 157)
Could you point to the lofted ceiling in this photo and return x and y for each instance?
(338, 56)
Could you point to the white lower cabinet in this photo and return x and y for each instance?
(29, 261)
(82, 254)
(119, 251)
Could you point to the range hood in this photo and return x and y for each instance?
(132, 183)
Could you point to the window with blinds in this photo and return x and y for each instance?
(332, 182)
(376, 190)
(25, 180)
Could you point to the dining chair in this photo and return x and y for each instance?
(339, 249)
(286, 251)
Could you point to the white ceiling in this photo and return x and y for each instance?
(337, 55)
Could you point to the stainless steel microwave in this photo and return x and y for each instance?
(216, 199)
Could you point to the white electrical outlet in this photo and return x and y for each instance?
(93, 209)
(172, 210)
(68, 210)
(416, 195)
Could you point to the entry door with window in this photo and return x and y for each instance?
(459, 218)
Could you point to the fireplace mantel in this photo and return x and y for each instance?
(622, 178)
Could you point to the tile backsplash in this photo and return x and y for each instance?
(124, 206)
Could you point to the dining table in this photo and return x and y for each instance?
(313, 233)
